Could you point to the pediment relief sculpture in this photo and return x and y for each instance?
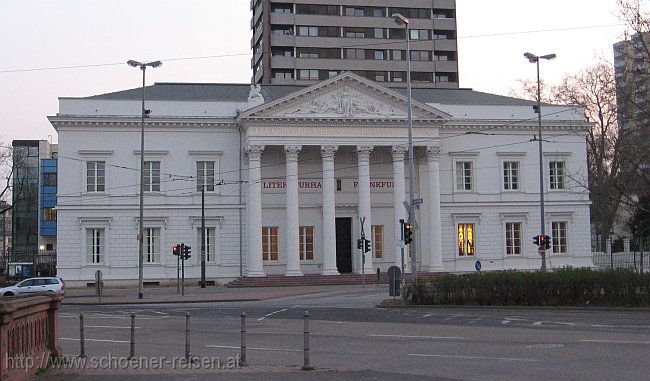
(346, 103)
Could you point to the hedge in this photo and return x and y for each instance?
(566, 287)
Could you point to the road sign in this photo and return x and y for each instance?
(541, 250)
(477, 265)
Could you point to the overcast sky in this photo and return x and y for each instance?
(209, 41)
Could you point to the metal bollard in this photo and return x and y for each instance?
(306, 365)
(187, 336)
(242, 360)
(132, 351)
(82, 340)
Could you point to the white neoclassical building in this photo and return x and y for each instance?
(289, 171)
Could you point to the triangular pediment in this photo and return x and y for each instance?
(346, 96)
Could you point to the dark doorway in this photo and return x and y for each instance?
(344, 245)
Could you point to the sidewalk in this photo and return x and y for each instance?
(209, 294)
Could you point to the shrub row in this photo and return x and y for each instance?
(567, 287)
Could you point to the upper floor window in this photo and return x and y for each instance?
(354, 32)
(95, 176)
(152, 176)
(49, 179)
(357, 54)
(311, 31)
(282, 30)
(464, 176)
(282, 74)
(281, 8)
(308, 74)
(556, 171)
(354, 11)
(205, 176)
(511, 175)
(49, 214)
(419, 34)
(316, 9)
(420, 55)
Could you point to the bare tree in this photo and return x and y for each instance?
(11, 177)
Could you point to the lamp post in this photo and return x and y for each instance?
(401, 20)
(535, 59)
(143, 67)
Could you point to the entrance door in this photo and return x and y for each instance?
(344, 245)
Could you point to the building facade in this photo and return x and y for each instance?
(289, 172)
(33, 216)
(303, 41)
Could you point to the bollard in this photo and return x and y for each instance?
(82, 340)
(242, 360)
(132, 352)
(187, 336)
(306, 365)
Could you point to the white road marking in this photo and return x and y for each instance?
(540, 323)
(109, 327)
(296, 306)
(99, 340)
(615, 342)
(473, 357)
(505, 321)
(271, 314)
(255, 349)
(427, 315)
(420, 337)
(158, 312)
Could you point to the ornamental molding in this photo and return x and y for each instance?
(95, 152)
(328, 152)
(254, 152)
(291, 152)
(100, 122)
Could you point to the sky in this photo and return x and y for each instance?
(78, 48)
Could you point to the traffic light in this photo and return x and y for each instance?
(367, 246)
(545, 241)
(360, 244)
(187, 251)
(536, 239)
(176, 249)
(408, 233)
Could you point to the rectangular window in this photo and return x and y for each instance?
(205, 175)
(306, 243)
(355, 12)
(49, 179)
(379, 33)
(356, 54)
(210, 243)
(559, 233)
(420, 55)
(95, 245)
(466, 240)
(151, 245)
(307, 74)
(419, 34)
(513, 238)
(464, 175)
(95, 176)
(556, 171)
(378, 241)
(152, 176)
(49, 214)
(397, 55)
(270, 243)
(511, 175)
(310, 31)
(283, 74)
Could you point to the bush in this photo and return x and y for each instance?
(567, 287)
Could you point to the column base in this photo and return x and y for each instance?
(293, 273)
(255, 274)
(330, 272)
(433, 269)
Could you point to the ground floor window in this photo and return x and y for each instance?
(270, 243)
(559, 233)
(210, 243)
(307, 243)
(151, 245)
(466, 240)
(378, 241)
(95, 245)
(513, 238)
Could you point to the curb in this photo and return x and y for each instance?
(390, 304)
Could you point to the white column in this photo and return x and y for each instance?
(399, 196)
(435, 233)
(254, 264)
(363, 163)
(293, 214)
(329, 212)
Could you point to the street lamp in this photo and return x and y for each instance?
(401, 20)
(143, 67)
(535, 59)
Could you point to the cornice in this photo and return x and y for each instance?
(117, 122)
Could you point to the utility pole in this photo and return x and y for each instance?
(203, 234)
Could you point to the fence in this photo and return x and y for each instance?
(639, 261)
(28, 334)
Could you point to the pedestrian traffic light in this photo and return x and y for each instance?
(536, 239)
(408, 233)
(176, 249)
(187, 251)
(367, 245)
(360, 244)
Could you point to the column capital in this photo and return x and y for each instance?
(291, 152)
(398, 152)
(328, 151)
(254, 152)
(363, 152)
(433, 152)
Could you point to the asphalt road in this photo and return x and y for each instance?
(352, 339)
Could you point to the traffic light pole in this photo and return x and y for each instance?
(203, 235)
(182, 254)
(178, 274)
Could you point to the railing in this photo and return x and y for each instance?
(623, 260)
(28, 334)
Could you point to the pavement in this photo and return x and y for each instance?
(162, 295)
